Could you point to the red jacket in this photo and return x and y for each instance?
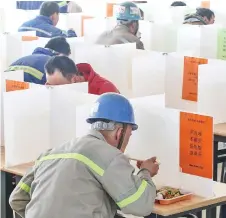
(97, 84)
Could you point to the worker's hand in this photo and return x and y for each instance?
(151, 165)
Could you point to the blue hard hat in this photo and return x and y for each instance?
(128, 11)
(113, 107)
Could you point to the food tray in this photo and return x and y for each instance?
(186, 196)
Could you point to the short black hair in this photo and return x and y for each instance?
(60, 45)
(205, 12)
(49, 8)
(178, 3)
(64, 64)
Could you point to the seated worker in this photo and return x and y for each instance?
(127, 29)
(178, 3)
(203, 16)
(90, 176)
(65, 6)
(45, 23)
(62, 70)
(33, 65)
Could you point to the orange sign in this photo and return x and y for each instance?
(190, 79)
(110, 7)
(12, 85)
(196, 144)
(29, 38)
(205, 4)
(82, 24)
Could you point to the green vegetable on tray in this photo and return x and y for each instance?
(168, 193)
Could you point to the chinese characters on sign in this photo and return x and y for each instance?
(190, 77)
(12, 85)
(196, 144)
(221, 44)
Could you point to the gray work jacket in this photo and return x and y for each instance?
(119, 35)
(84, 178)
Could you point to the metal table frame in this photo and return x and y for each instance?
(6, 189)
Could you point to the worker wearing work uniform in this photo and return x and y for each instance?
(45, 23)
(34, 65)
(203, 16)
(65, 6)
(62, 70)
(127, 29)
(90, 176)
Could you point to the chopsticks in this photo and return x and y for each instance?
(134, 159)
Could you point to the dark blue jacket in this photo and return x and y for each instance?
(44, 28)
(35, 5)
(33, 65)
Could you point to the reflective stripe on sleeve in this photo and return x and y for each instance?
(131, 199)
(24, 187)
(29, 70)
(62, 4)
(75, 156)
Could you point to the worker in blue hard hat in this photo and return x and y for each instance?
(90, 176)
(127, 28)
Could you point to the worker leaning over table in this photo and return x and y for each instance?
(65, 6)
(33, 65)
(61, 70)
(45, 23)
(90, 176)
(127, 29)
(203, 16)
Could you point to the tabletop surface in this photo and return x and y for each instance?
(163, 210)
(220, 129)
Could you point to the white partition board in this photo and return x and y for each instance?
(12, 25)
(73, 42)
(148, 74)
(160, 37)
(38, 119)
(212, 95)
(93, 28)
(198, 41)
(158, 135)
(11, 41)
(72, 21)
(113, 62)
(28, 47)
(188, 40)
(12, 75)
(78, 87)
(174, 82)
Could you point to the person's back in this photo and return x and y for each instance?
(90, 176)
(77, 192)
(119, 35)
(194, 19)
(202, 16)
(127, 28)
(34, 65)
(45, 23)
